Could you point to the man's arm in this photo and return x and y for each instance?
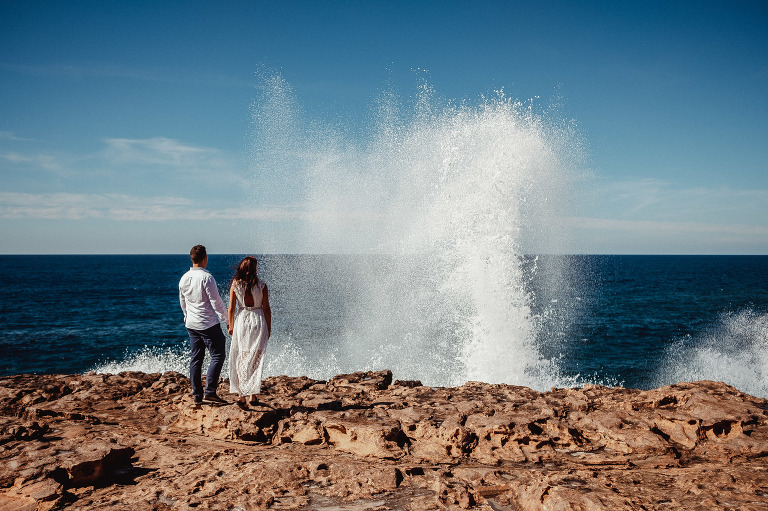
(216, 302)
(183, 304)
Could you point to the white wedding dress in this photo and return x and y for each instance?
(249, 342)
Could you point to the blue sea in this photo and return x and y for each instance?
(455, 194)
(634, 321)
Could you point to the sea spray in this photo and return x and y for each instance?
(149, 359)
(733, 350)
(454, 195)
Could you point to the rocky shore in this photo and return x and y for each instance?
(363, 442)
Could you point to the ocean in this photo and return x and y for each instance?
(618, 320)
(453, 195)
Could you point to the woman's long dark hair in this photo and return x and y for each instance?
(246, 273)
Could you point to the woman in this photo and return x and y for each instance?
(250, 331)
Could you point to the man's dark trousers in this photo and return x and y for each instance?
(213, 339)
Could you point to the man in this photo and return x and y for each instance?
(203, 312)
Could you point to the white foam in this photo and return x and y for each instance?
(459, 193)
(148, 360)
(734, 351)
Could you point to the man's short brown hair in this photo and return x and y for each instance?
(198, 253)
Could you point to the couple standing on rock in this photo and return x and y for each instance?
(203, 314)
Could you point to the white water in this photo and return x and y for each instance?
(150, 360)
(458, 193)
(734, 351)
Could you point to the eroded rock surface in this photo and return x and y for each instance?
(363, 442)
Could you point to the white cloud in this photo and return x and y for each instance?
(41, 160)
(10, 135)
(617, 236)
(157, 151)
(123, 164)
(120, 207)
(635, 195)
(653, 227)
(168, 156)
(658, 216)
(661, 201)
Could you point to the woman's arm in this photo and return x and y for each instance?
(267, 310)
(231, 309)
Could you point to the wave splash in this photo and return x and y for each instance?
(734, 351)
(458, 194)
(149, 359)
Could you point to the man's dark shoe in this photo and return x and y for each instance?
(215, 399)
(198, 400)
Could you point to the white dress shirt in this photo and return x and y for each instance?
(200, 300)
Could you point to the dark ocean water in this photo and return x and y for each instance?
(636, 321)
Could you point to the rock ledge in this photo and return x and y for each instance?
(363, 442)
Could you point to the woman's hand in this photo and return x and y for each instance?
(230, 329)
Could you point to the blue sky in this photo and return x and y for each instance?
(124, 126)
